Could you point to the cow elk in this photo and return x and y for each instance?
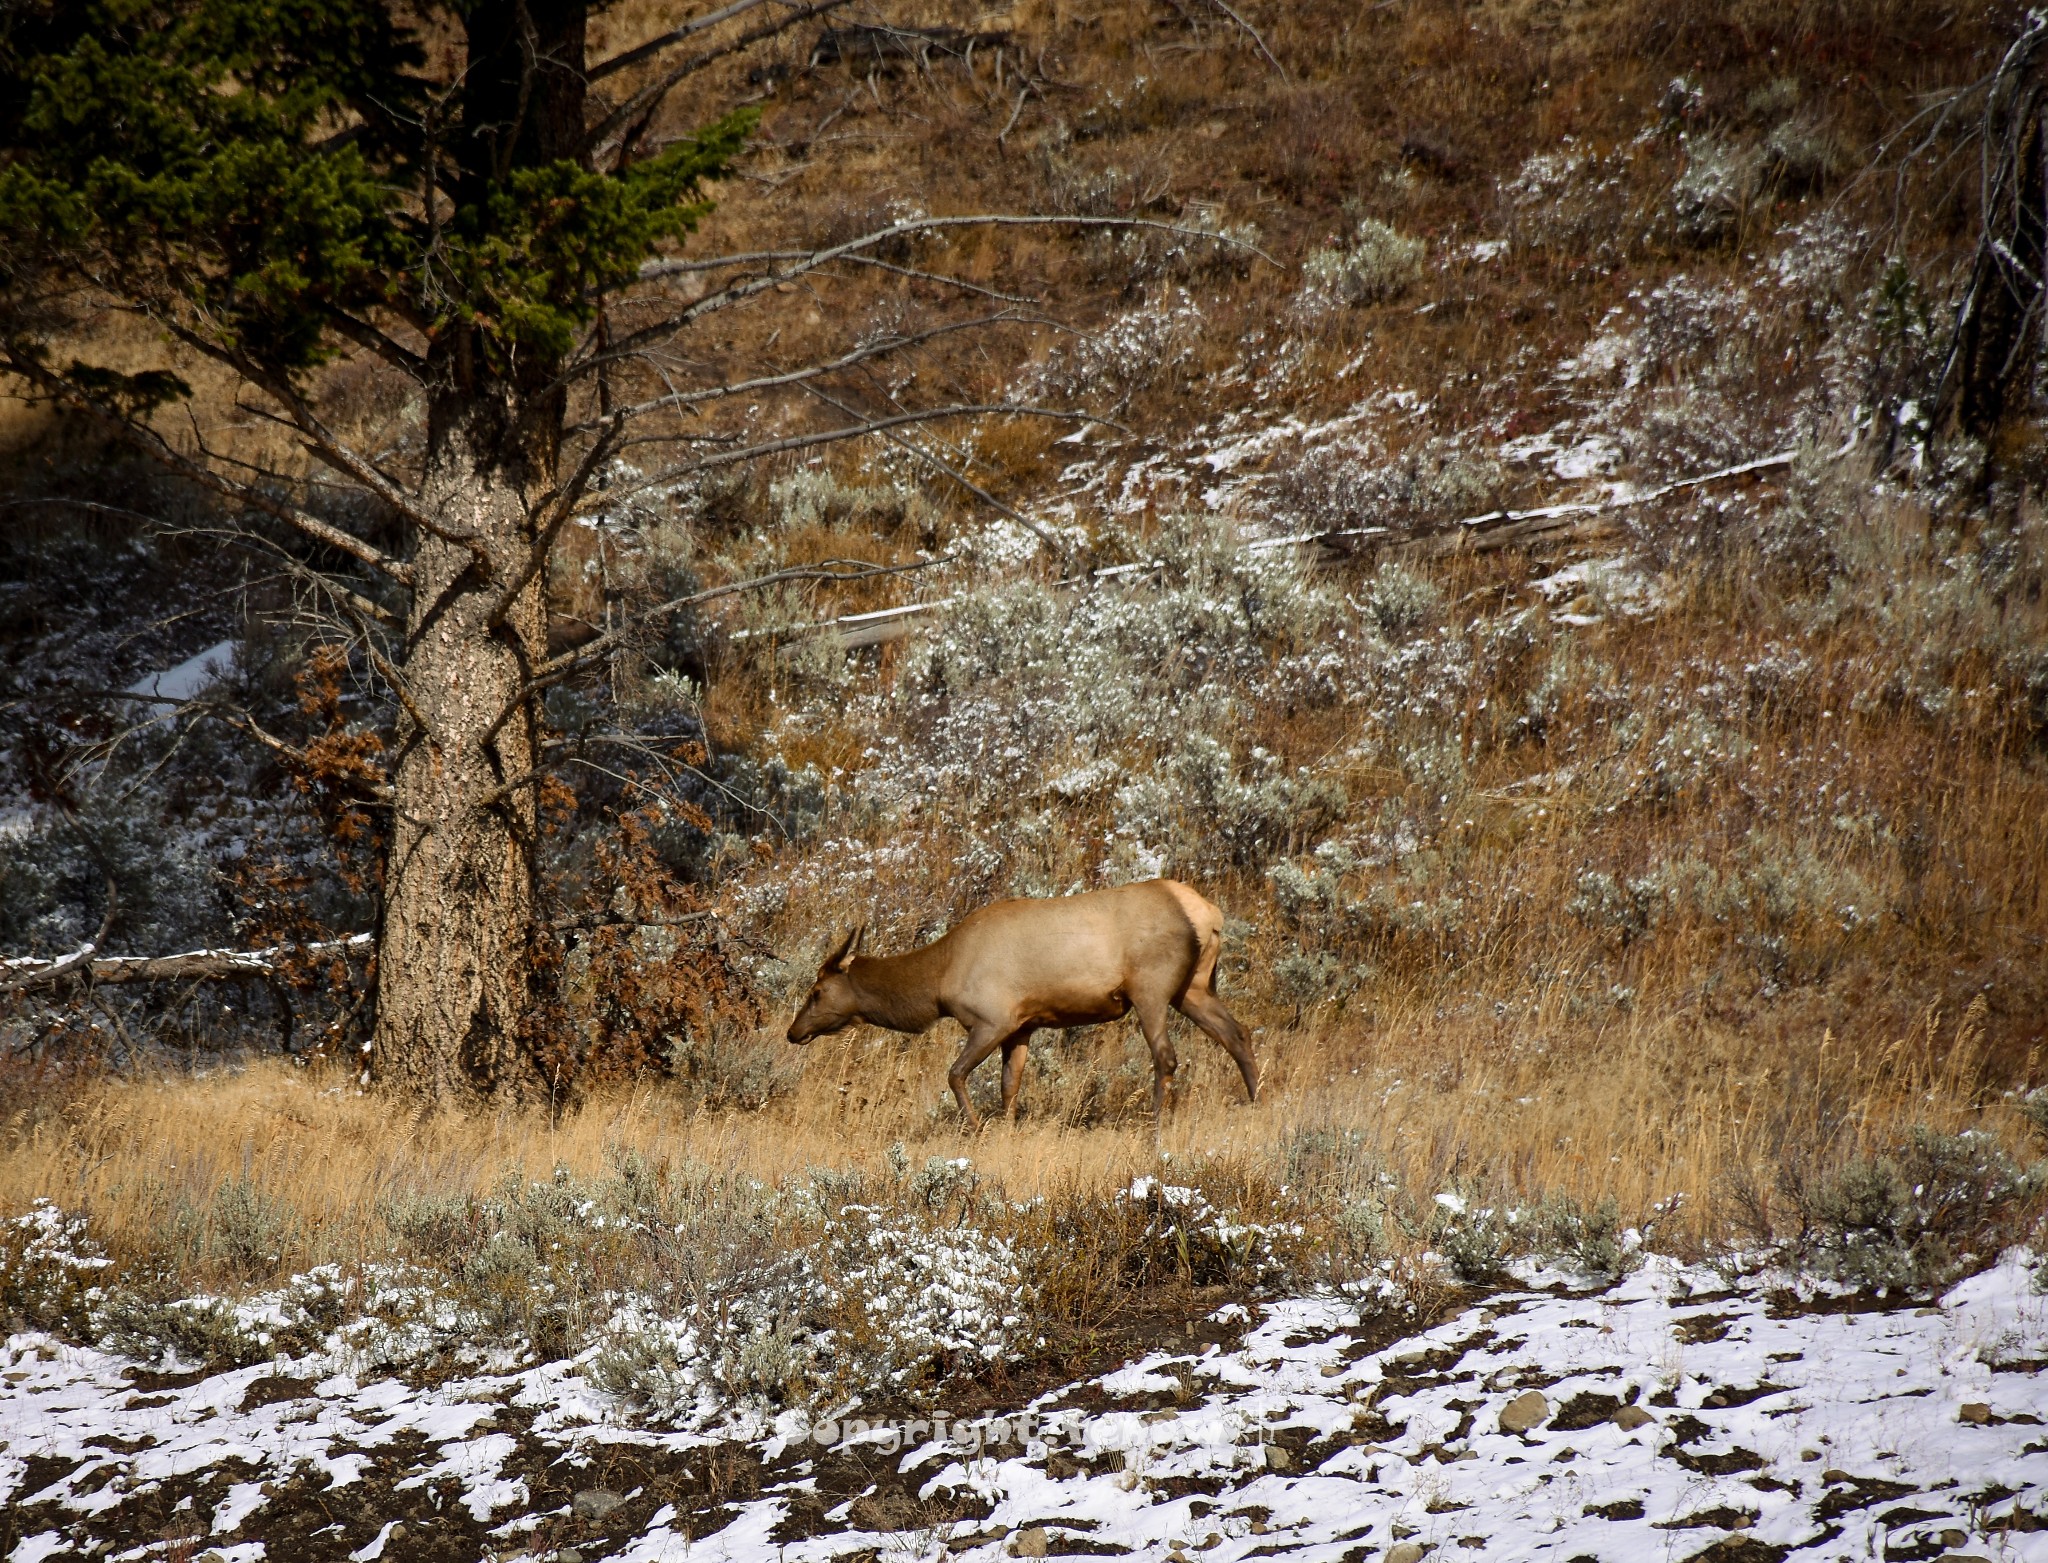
(1013, 967)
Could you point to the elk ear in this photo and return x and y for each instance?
(842, 957)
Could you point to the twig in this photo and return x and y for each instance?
(1252, 33)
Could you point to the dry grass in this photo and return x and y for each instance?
(1642, 1113)
(1527, 1050)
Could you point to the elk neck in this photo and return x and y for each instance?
(900, 992)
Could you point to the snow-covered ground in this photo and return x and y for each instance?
(1665, 1418)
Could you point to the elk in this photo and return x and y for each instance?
(1015, 966)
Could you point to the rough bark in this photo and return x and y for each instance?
(459, 974)
(456, 978)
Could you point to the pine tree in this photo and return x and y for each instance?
(457, 189)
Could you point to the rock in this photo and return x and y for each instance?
(1406, 1552)
(1028, 1542)
(1976, 1413)
(594, 1503)
(565, 1555)
(1333, 1370)
(1521, 1414)
(1277, 1459)
(1629, 1418)
(1809, 1455)
(1260, 1527)
(1831, 1476)
(1953, 1539)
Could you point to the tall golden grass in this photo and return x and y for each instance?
(1652, 1110)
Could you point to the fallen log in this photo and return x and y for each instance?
(32, 971)
(1506, 528)
(1580, 521)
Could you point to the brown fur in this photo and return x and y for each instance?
(1016, 966)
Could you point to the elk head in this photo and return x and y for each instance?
(832, 1005)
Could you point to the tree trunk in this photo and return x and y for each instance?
(459, 966)
(457, 980)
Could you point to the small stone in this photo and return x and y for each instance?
(1405, 1552)
(1629, 1418)
(1209, 1543)
(1333, 1370)
(1259, 1527)
(1521, 1414)
(1831, 1476)
(1809, 1455)
(1953, 1538)
(594, 1503)
(1028, 1542)
(565, 1555)
(1976, 1413)
(1277, 1459)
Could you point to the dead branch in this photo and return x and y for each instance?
(640, 108)
(878, 348)
(1504, 528)
(737, 292)
(555, 669)
(958, 477)
(1998, 317)
(20, 362)
(1581, 521)
(1252, 33)
(668, 40)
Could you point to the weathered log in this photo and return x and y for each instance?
(29, 971)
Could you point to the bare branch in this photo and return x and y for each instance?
(365, 335)
(751, 287)
(352, 601)
(641, 105)
(558, 668)
(1252, 33)
(555, 512)
(878, 348)
(734, 457)
(55, 971)
(24, 364)
(961, 478)
(668, 40)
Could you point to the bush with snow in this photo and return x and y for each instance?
(1917, 1216)
(1377, 263)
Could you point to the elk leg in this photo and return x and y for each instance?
(1014, 1051)
(1152, 1020)
(981, 1041)
(1206, 1010)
